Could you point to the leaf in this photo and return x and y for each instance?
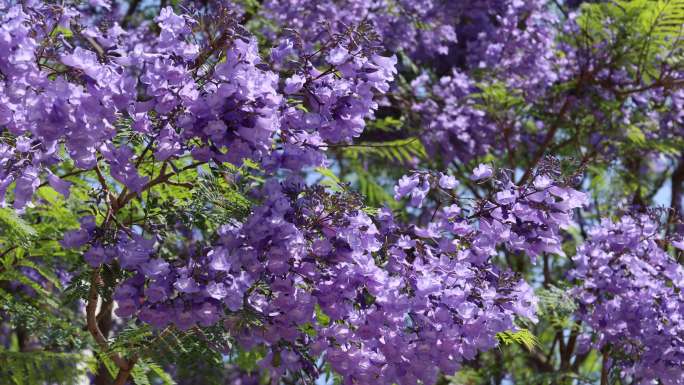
(247, 359)
(15, 229)
(557, 306)
(66, 32)
(636, 136)
(217, 201)
(43, 367)
(521, 337)
(330, 180)
(161, 374)
(375, 194)
(42, 271)
(14, 275)
(401, 150)
(386, 124)
(308, 329)
(328, 173)
(322, 318)
(132, 338)
(139, 373)
(651, 27)
(108, 364)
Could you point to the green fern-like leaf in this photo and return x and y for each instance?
(521, 337)
(664, 17)
(42, 271)
(374, 193)
(131, 339)
(15, 231)
(655, 26)
(556, 306)
(31, 368)
(160, 373)
(146, 372)
(217, 201)
(401, 151)
(329, 180)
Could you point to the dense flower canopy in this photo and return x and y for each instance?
(631, 296)
(353, 192)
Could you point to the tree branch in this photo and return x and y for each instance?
(94, 328)
(604, 368)
(676, 197)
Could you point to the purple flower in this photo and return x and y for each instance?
(217, 290)
(542, 182)
(25, 186)
(218, 262)
(75, 239)
(134, 252)
(186, 285)
(406, 185)
(294, 83)
(96, 255)
(157, 292)
(58, 184)
(155, 267)
(482, 171)
(678, 244)
(169, 144)
(86, 61)
(448, 182)
(337, 55)
(506, 197)
(413, 185)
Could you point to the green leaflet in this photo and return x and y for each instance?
(14, 229)
(521, 337)
(655, 23)
(146, 372)
(400, 150)
(31, 368)
(556, 306)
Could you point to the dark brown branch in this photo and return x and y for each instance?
(676, 197)
(161, 178)
(93, 324)
(91, 320)
(215, 45)
(604, 368)
(129, 13)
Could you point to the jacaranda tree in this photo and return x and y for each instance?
(341, 192)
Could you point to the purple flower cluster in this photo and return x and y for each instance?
(238, 112)
(526, 218)
(37, 112)
(420, 27)
(59, 96)
(456, 128)
(318, 277)
(631, 298)
(530, 218)
(331, 92)
(516, 41)
(225, 112)
(310, 274)
(506, 43)
(485, 32)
